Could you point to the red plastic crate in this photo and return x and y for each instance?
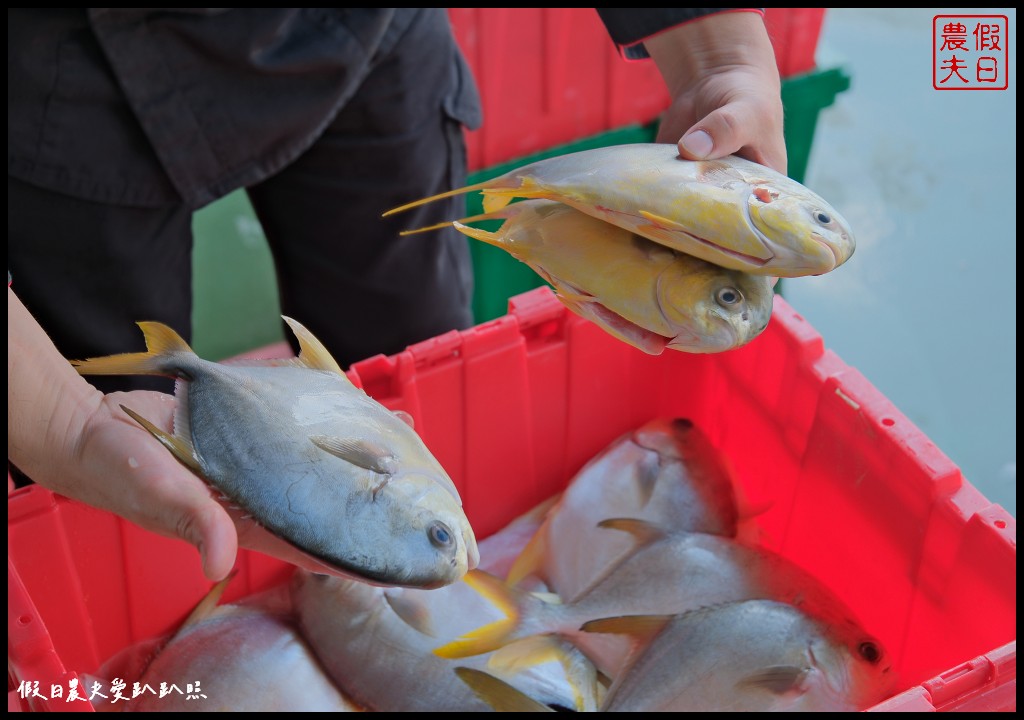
(514, 407)
(549, 76)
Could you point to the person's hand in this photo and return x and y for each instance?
(69, 437)
(725, 88)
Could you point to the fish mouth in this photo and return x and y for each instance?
(837, 255)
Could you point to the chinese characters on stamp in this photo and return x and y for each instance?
(970, 52)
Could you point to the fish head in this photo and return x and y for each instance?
(404, 524)
(708, 308)
(806, 235)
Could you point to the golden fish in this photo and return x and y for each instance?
(730, 212)
(642, 292)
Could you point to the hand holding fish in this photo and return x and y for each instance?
(72, 439)
(725, 87)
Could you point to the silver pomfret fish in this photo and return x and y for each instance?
(748, 656)
(666, 472)
(730, 211)
(642, 292)
(668, 573)
(312, 458)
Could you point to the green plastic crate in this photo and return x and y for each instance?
(236, 302)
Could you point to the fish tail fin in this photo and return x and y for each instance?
(440, 196)
(161, 343)
(493, 635)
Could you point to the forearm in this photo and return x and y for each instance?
(48, 402)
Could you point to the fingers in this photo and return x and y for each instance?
(737, 128)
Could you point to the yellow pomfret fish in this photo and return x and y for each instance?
(730, 211)
(311, 458)
(642, 292)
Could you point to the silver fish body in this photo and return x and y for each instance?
(751, 656)
(376, 644)
(239, 660)
(665, 472)
(313, 459)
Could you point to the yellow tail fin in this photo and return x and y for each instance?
(161, 341)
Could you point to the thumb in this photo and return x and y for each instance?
(728, 131)
(210, 529)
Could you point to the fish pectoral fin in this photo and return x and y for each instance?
(643, 627)
(312, 353)
(180, 447)
(777, 679)
(497, 693)
(662, 223)
(412, 612)
(358, 451)
(530, 559)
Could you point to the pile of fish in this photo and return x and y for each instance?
(659, 251)
(315, 461)
(643, 586)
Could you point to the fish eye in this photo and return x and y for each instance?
(870, 652)
(440, 535)
(727, 296)
(823, 217)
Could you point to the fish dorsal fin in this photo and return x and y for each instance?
(643, 627)
(413, 612)
(312, 353)
(360, 452)
(777, 679)
(644, 532)
(716, 172)
(497, 693)
(180, 447)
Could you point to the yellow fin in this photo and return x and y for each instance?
(640, 626)
(312, 353)
(663, 223)
(161, 341)
(493, 635)
(539, 649)
(179, 447)
(530, 559)
(497, 693)
(439, 196)
(643, 531)
(208, 604)
(481, 235)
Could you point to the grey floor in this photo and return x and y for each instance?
(926, 307)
